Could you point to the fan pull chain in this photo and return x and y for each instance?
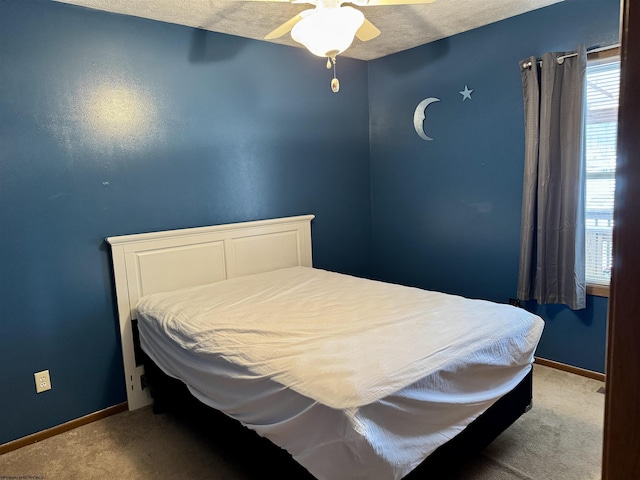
(335, 83)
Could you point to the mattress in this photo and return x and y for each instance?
(355, 378)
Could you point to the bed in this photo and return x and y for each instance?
(354, 378)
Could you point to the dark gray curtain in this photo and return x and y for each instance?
(552, 235)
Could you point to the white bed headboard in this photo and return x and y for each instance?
(163, 261)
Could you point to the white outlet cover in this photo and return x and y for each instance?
(43, 381)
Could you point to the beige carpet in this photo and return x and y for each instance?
(559, 439)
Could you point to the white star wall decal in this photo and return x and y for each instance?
(466, 93)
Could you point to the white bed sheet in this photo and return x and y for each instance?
(355, 378)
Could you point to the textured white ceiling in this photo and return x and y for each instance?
(402, 26)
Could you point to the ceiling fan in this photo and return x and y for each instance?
(329, 29)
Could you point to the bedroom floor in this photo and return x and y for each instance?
(560, 438)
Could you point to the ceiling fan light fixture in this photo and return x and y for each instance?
(328, 31)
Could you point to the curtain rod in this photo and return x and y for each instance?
(561, 58)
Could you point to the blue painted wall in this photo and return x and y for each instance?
(574, 337)
(446, 213)
(112, 125)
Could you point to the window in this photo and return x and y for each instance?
(603, 85)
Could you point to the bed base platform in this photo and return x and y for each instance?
(172, 396)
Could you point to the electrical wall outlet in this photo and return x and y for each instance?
(43, 381)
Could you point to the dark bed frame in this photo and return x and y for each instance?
(172, 396)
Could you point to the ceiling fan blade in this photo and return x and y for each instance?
(366, 3)
(284, 28)
(367, 31)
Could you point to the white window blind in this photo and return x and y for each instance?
(603, 86)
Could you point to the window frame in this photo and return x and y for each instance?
(610, 54)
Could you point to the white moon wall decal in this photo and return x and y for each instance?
(419, 115)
